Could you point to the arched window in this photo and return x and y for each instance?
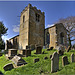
(48, 38)
(23, 19)
(61, 37)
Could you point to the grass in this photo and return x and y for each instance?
(43, 66)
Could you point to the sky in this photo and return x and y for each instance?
(54, 10)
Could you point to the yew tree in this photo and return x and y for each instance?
(3, 31)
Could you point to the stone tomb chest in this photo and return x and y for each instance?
(12, 52)
(25, 52)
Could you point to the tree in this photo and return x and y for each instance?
(69, 24)
(3, 31)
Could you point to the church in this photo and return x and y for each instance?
(32, 31)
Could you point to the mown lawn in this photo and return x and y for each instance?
(43, 66)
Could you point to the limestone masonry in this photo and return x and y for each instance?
(32, 31)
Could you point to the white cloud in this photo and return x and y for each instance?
(5, 38)
(16, 28)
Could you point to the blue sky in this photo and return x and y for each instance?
(54, 10)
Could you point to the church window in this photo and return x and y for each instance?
(61, 38)
(48, 38)
(37, 17)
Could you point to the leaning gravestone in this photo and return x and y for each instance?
(18, 61)
(54, 62)
(64, 60)
(8, 67)
(72, 57)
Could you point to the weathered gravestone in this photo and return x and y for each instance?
(8, 67)
(18, 61)
(36, 60)
(72, 57)
(25, 52)
(54, 62)
(38, 49)
(64, 60)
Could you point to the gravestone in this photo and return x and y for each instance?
(38, 49)
(12, 52)
(18, 61)
(54, 62)
(25, 52)
(72, 57)
(64, 60)
(8, 67)
(36, 60)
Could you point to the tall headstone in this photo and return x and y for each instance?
(64, 60)
(54, 62)
(72, 57)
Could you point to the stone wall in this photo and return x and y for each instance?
(36, 28)
(52, 32)
(55, 35)
(12, 43)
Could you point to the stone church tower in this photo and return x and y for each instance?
(32, 25)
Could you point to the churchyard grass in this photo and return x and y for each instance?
(42, 66)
